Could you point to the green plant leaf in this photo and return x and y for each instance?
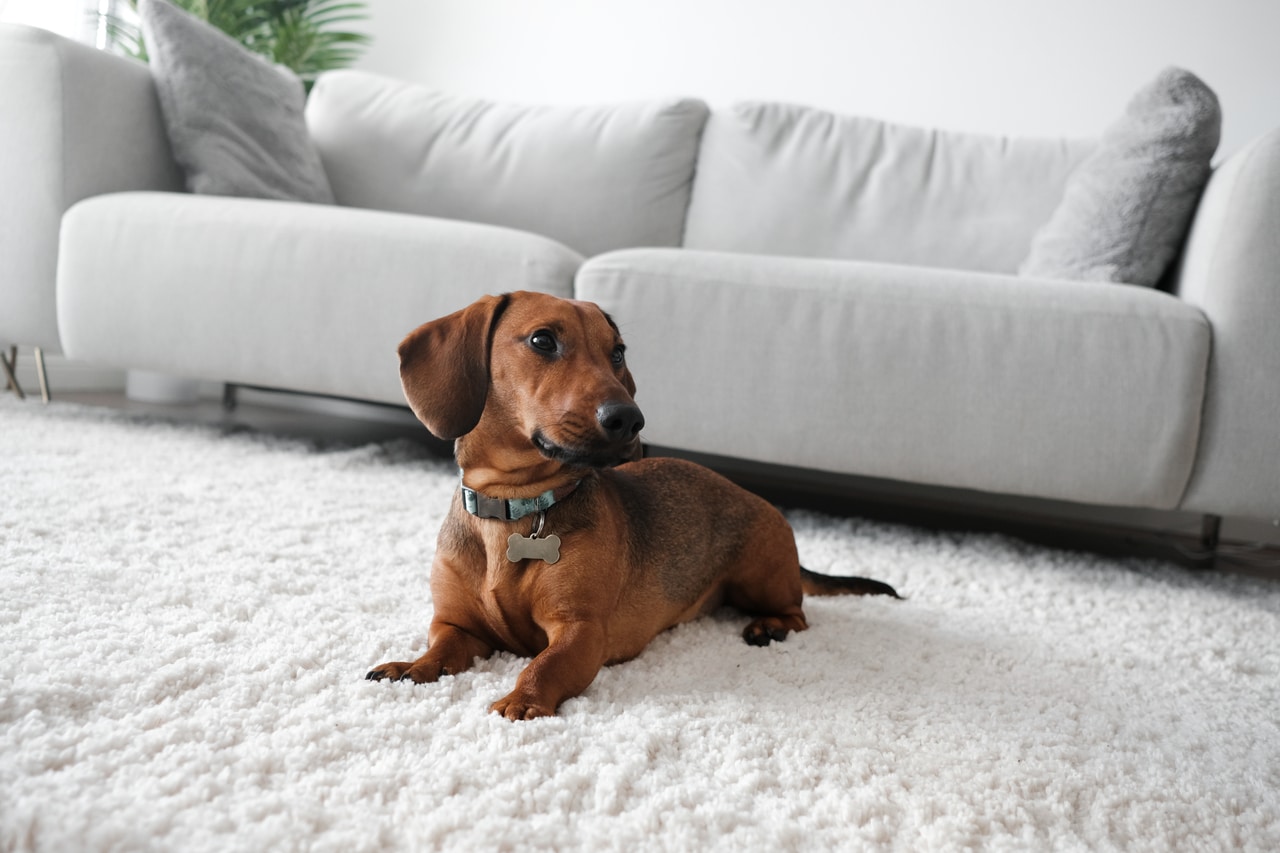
(306, 36)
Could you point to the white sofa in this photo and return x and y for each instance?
(812, 291)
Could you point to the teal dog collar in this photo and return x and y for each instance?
(511, 509)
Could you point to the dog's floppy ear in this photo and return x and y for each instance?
(444, 367)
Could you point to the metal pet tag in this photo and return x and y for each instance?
(527, 548)
(531, 547)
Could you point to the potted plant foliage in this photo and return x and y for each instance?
(306, 36)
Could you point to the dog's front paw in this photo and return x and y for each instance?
(390, 671)
(404, 671)
(516, 707)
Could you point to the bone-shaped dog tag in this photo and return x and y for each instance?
(520, 548)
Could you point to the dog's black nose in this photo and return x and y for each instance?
(620, 421)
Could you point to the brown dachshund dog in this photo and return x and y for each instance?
(559, 545)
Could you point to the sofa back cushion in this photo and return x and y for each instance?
(792, 180)
(594, 178)
(1125, 212)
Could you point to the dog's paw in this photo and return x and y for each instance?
(759, 635)
(762, 632)
(766, 629)
(515, 707)
(404, 671)
(387, 671)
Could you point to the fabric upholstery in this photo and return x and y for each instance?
(307, 297)
(1080, 392)
(1231, 271)
(1125, 211)
(592, 177)
(77, 122)
(793, 180)
(235, 120)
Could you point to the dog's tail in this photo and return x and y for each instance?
(815, 584)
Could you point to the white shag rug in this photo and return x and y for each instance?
(187, 616)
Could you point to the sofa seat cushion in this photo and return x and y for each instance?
(592, 177)
(1073, 391)
(792, 180)
(282, 294)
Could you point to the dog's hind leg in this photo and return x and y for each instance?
(770, 625)
(765, 581)
(772, 595)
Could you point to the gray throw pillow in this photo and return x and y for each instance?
(235, 121)
(1126, 210)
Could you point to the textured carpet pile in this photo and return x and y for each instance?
(187, 615)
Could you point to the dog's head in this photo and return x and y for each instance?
(529, 374)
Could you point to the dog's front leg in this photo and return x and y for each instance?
(574, 654)
(450, 650)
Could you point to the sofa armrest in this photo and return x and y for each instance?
(1231, 271)
(74, 122)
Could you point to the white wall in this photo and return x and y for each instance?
(1001, 66)
(71, 18)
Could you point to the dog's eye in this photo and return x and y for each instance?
(543, 341)
(619, 355)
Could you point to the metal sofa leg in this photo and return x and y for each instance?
(7, 364)
(43, 375)
(1210, 527)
